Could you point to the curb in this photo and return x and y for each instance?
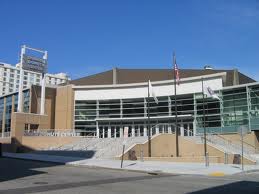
(154, 172)
(248, 171)
(124, 169)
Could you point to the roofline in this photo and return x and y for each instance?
(241, 85)
(222, 74)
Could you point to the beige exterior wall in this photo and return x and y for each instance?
(163, 148)
(64, 109)
(38, 143)
(50, 100)
(18, 122)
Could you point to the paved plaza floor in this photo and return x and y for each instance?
(26, 176)
(147, 166)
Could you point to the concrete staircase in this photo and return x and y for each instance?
(102, 148)
(227, 146)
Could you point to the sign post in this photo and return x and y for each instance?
(35, 60)
(125, 135)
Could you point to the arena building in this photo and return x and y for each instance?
(103, 104)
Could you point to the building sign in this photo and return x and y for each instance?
(34, 64)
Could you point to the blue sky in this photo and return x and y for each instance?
(89, 36)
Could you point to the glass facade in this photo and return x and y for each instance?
(1, 113)
(8, 112)
(26, 101)
(127, 112)
(11, 105)
(237, 106)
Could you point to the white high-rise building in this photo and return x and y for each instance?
(10, 76)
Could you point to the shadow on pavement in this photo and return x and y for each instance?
(241, 187)
(11, 169)
(71, 185)
(80, 154)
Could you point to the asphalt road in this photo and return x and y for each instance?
(19, 176)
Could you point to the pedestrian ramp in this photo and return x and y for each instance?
(227, 146)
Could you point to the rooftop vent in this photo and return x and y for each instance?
(208, 67)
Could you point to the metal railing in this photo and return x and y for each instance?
(228, 146)
(5, 135)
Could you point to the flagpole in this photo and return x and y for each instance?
(148, 116)
(175, 108)
(204, 123)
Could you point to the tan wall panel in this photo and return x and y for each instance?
(163, 146)
(37, 143)
(64, 108)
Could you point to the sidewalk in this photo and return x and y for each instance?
(147, 166)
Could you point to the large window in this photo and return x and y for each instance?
(235, 108)
(26, 101)
(1, 113)
(109, 109)
(211, 109)
(8, 113)
(85, 110)
(133, 107)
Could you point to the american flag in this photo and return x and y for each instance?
(176, 71)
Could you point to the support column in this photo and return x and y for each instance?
(139, 132)
(182, 129)
(194, 128)
(97, 109)
(145, 130)
(121, 108)
(42, 99)
(195, 115)
(169, 129)
(249, 104)
(97, 130)
(133, 131)
(103, 132)
(121, 132)
(43, 88)
(20, 93)
(109, 132)
(157, 129)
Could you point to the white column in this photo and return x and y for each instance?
(182, 130)
(145, 130)
(20, 94)
(157, 129)
(103, 132)
(43, 88)
(121, 132)
(97, 130)
(139, 131)
(109, 132)
(133, 131)
(42, 99)
(169, 129)
(194, 128)
(188, 129)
